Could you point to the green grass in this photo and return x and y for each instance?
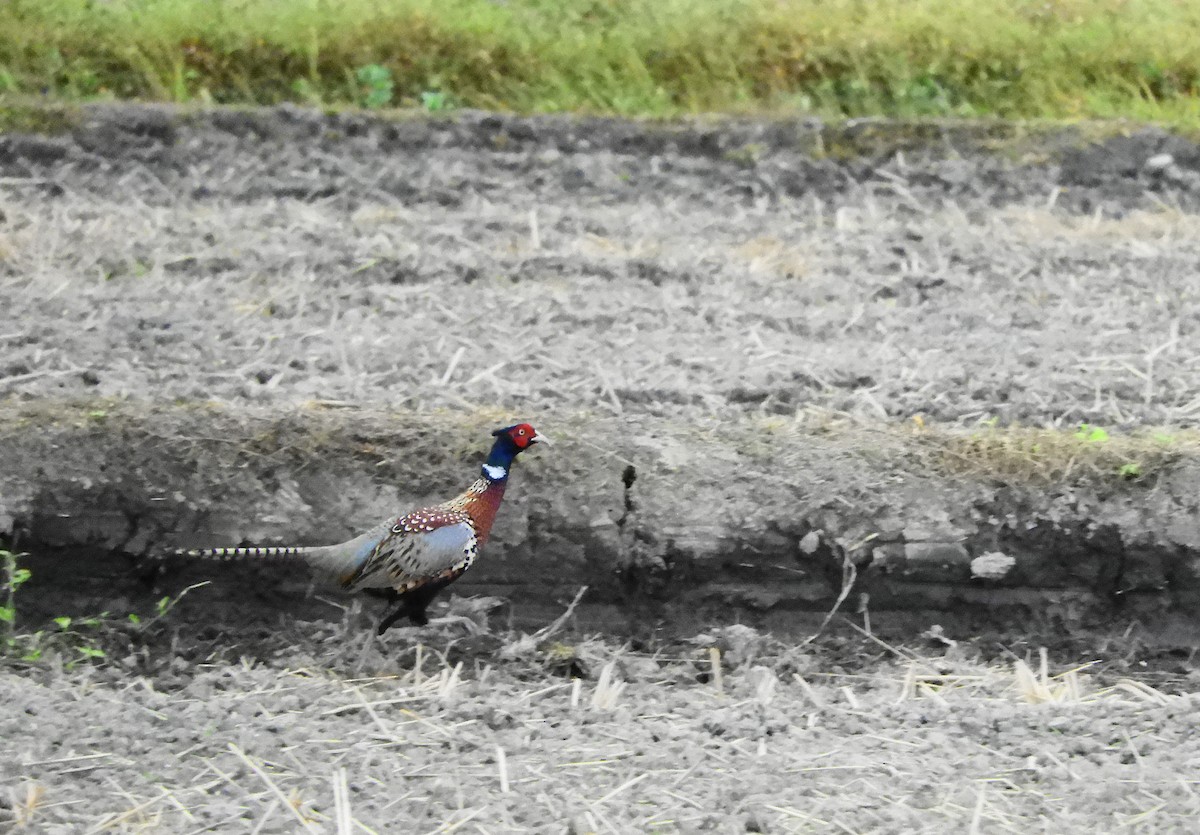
(905, 58)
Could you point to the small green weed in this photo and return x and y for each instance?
(1091, 434)
(1130, 470)
(435, 101)
(15, 576)
(163, 607)
(375, 85)
(74, 640)
(306, 92)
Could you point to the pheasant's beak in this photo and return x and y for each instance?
(539, 438)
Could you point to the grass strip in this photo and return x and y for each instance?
(841, 58)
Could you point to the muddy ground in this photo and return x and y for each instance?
(772, 355)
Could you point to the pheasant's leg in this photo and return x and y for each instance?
(390, 595)
(418, 600)
(386, 623)
(406, 609)
(413, 605)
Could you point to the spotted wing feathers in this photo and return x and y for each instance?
(419, 548)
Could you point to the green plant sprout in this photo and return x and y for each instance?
(1091, 434)
(163, 607)
(375, 84)
(77, 637)
(26, 647)
(14, 577)
(435, 100)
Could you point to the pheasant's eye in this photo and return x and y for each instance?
(520, 431)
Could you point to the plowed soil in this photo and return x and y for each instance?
(170, 279)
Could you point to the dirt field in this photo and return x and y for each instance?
(276, 258)
(487, 743)
(277, 325)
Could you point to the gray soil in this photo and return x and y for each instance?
(769, 354)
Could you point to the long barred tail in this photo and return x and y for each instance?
(243, 553)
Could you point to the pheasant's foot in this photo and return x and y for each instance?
(390, 620)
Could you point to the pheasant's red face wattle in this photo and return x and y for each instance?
(523, 435)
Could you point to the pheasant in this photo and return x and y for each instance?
(410, 558)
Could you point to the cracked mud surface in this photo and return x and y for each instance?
(277, 326)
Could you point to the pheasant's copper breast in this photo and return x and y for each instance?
(480, 501)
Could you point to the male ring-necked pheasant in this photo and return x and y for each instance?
(410, 558)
